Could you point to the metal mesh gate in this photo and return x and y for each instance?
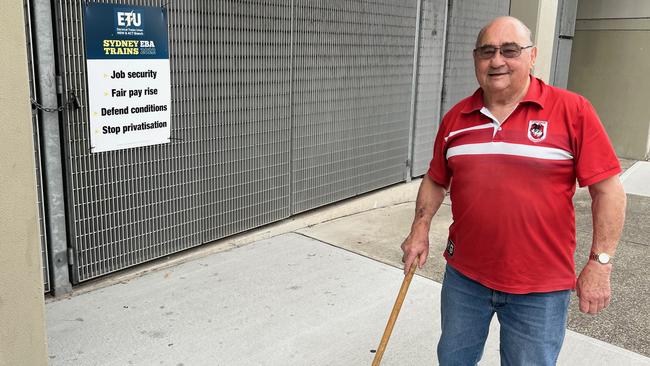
(227, 166)
(465, 20)
(268, 98)
(242, 92)
(352, 91)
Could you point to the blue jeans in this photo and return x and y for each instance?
(532, 325)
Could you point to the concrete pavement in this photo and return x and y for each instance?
(288, 300)
(316, 290)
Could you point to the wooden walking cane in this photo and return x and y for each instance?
(393, 315)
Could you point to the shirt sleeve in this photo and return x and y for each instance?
(438, 171)
(595, 158)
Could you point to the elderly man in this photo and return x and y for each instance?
(510, 156)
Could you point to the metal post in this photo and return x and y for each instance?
(443, 69)
(414, 86)
(51, 146)
(563, 41)
(292, 66)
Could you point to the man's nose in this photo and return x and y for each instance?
(497, 60)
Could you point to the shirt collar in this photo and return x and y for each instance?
(534, 95)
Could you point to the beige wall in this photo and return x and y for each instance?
(22, 333)
(610, 65)
(608, 9)
(526, 11)
(540, 16)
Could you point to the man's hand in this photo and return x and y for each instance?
(593, 287)
(415, 246)
(430, 197)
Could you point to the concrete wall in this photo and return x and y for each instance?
(540, 16)
(22, 332)
(610, 65)
(607, 9)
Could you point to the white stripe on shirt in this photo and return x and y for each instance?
(479, 127)
(505, 148)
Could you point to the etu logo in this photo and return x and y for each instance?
(130, 19)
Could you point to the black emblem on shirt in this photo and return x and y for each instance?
(450, 247)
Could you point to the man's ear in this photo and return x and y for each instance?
(533, 56)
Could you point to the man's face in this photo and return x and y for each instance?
(499, 73)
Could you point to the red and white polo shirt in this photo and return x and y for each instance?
(511, 186)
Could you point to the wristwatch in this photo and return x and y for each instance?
(602, 258)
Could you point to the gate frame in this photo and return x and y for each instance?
(48, 86)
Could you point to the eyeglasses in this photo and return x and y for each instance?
(507, 50)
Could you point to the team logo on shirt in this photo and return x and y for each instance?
(537, 130)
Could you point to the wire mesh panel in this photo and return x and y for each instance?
(247, 126)
(226, 168)
(429, 82)
(465, 20)
(353, 63)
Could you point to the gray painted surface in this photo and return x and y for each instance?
(288, 300)
(565, 31)
(429, 83)
(562, 62)
(567, 19)
(465, 20)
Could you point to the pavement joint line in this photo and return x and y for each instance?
(583, 231)
(360, 253)
(634, 242)
(633, 179)
(627, 173)
(636, 195)
(356, 213)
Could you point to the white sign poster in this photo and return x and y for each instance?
(129, 88)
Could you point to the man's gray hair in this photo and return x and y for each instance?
(521, 24)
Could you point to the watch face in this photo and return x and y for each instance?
(603, 258)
